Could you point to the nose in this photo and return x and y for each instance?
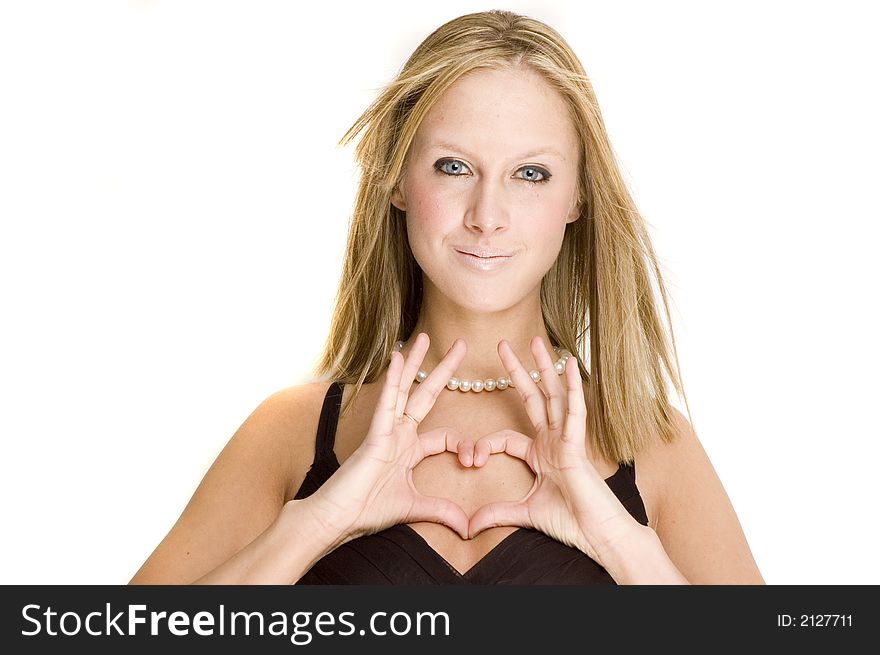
(488, 211)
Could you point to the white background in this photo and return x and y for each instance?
(174, 208)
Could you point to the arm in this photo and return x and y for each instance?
(282, 554)
(640, 558)
(697, 538)
(237, 527)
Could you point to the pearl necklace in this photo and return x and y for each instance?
(490, 384)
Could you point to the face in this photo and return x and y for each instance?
(492, 170)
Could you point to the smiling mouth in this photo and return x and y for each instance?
(483, 263)
(485, 254)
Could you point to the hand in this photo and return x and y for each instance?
(569, 500)
(373, 488)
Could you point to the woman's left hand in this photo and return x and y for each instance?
(569, 501)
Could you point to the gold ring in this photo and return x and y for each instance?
(412, 418)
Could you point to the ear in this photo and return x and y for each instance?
(575, 212)
(398, 199)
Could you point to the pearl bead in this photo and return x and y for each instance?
(490, 384)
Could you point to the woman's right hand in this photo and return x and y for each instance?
(373, 488)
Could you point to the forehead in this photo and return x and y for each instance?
(511, 108)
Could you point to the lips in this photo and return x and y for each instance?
(484, 263)
(485, 252)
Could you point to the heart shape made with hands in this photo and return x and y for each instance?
(474, 455)
(569, 501)
(563, 515)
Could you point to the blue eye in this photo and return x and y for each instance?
(532, 171)
(453, 170)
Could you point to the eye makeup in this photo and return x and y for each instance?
(456, 164)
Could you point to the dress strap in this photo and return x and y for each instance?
(623, 482)
(327, 423)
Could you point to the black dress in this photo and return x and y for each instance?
(399, 555)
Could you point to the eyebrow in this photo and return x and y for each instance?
(442, 145)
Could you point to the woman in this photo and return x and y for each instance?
(491, 227)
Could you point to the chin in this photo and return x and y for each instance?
(487, 295)
(485, 301)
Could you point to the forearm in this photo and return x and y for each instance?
(282, 554)
(640, 559)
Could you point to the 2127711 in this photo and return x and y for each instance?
(814, 620)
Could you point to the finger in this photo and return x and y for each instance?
(447, 439)
(439, 510)
(511, 442)
(493, 515)
(532, 396)
(441, 440)
(466, 452)
(413, 361)
(554, 389)
(482, 450)
(385, 416)
(576, 413)
(423, 398)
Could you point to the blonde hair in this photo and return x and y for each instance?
(600, 282)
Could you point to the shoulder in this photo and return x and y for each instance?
(684, 445)
(277, 439)
(244, 489)
(651, 467)
(691, 511)
(287, 420)
(663, 466)
(290, 407)
(278, 436)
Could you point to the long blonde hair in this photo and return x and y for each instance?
(597, 300)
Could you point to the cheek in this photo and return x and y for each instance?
(431, 212)
(547, 217)
(544, 230)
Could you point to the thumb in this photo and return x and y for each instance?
(440, 510)
(493, 515)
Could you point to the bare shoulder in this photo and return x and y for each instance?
(287, 421)
(691, 511)
(245, 488)
(284, 425)
(657, 461)
(291, 403)
(293, 407)
(293, 414)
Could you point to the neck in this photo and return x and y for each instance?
(445, 322)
